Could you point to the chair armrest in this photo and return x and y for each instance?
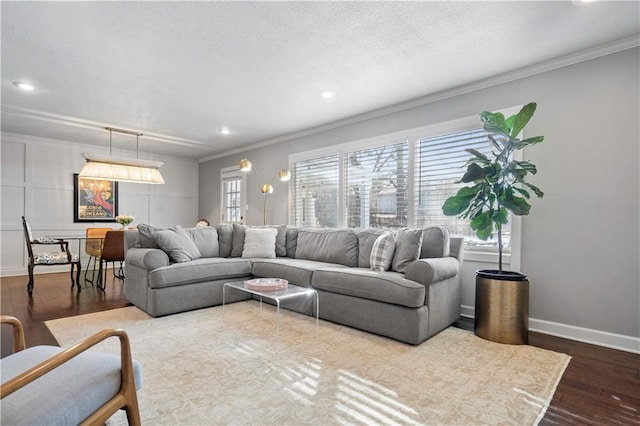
(431, 270)
(147, 258)
(18, 332)
(43, 368)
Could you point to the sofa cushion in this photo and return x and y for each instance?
(146, 237)
(382, 252)
(66, 395)
(260, 242)
(366, 238)
(200, 270)
(408, 244)
(206, 239)
(177, 244)
(237, 243)
(435, 242)
(296, 271)
(225, 238)
(387, 287)
(328, 245)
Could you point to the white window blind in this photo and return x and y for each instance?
(376, 186)
(314, 192)
(440, 163)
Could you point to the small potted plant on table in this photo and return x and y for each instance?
(124, 220)
(496, 186)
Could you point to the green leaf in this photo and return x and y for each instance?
(494, 123)
(473, 173)
(531, 168)
(517, 205)
(455, 205)
(529, 141)
(535, 189)
(523, 192)
(468, 191)
(481, 221)
(485, 233)
(510, 122)
(522, 118)
(501, 216)
(477, 154)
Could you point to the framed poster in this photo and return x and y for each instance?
(94, 200)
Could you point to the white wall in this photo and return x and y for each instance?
(37, 182)
(581, 243)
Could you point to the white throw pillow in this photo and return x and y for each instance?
(260, 242)
(382, 252)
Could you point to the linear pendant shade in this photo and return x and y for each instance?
(121, 169)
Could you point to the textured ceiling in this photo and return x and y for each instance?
(179, 71)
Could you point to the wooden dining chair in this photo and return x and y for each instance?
(112, 251)
(62, 257)
(93, 248)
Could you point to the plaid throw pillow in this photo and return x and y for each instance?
(382, 252)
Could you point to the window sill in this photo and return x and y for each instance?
(485, 257)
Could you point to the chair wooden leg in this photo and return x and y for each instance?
(79, 265)
(30, 283)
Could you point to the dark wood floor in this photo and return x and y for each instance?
(601, 386)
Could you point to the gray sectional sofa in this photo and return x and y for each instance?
(174, 270)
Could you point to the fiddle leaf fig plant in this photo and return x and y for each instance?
(496, 182)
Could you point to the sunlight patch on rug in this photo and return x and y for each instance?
(239, 365)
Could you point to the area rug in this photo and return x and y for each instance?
(243, 364)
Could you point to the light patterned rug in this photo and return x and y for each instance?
(240, 364)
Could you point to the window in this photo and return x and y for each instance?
(232, 195)
(315, 192)
(440, 162)
(396, 180)
(376, 186)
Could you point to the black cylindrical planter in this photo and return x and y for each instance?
(502, 307)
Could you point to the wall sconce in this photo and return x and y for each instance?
(284, 175)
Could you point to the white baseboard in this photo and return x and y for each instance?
(580, 334)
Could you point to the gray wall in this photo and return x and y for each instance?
(37, 182)
(581, 242)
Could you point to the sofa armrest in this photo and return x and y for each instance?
(147, 258)
(431, 270)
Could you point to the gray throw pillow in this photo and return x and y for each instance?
(435, 242)
(408, 244)
(206, 239)
(237, 240)
(292, 241)
(225, 238)
(366, 238)
(146, 236)
(177, 244)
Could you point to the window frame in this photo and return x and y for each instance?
(227, 173)
(412, 137)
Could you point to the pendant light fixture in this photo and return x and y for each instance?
(111, 168)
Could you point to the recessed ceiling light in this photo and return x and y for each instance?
(225, 131)
(582, 2)
(27, 87)
(327, 94)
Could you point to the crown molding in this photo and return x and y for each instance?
(96, 125)
(542, 67)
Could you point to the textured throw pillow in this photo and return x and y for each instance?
(382, 252)
(177, 244)
(408, 244)
(206, 239)
(260, 242)
(146, 236)
(366, 238)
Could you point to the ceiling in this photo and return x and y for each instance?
(180, 71)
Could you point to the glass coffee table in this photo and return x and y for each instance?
(290, 292)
